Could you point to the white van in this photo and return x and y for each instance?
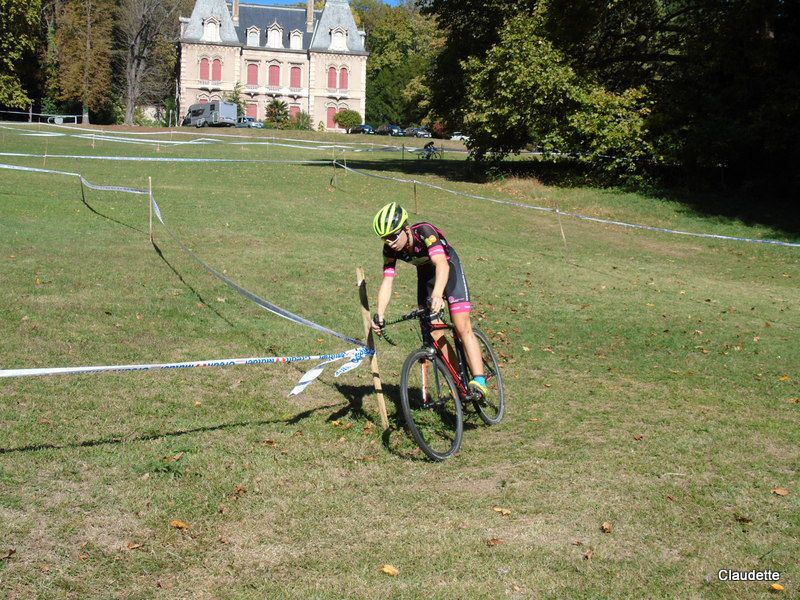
(218, 113)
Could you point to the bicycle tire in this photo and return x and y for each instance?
(431, 405)
(492, 409)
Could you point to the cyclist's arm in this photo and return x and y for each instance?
(385, 295)
(442, 267)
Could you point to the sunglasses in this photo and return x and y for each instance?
(392, 237)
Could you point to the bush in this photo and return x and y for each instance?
(347, 119)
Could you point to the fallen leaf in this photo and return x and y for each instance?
(794, 400)
(670, 498)
(779, 491)
(494, 542)
(548, 385)
(577, 543)
(776, 587)
(588, 554)
(606, 527)
(743, 519)
(368, 428)
(221, 300)
(178, 524)
(133, 545)
(503, 511)
(198, 403)
(11, 552)
(390, 570)
(238, 491)
(784, 378)
(175, 458)
(270, 443)
(548, 349)
(347, 426)
(638, 437)
(342, 439)
(223, 540)
(83, 556)
(526, 349)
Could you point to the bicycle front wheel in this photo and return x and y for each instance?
(490, 408)
(431, 405)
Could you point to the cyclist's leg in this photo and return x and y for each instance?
(458, 301)
(426, 278)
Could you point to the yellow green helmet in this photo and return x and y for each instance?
(389, 219)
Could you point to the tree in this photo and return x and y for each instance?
(83, 39)
(277, 111)
(347, 119)
(18, 36)
(236, 97)
(146, 32)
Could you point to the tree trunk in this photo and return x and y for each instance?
(85, 117)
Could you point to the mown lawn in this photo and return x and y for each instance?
(652, 383)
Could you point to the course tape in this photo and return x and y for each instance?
(355, 357)
(165, 159)
(273, 308)
(570, 214)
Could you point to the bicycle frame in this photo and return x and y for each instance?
(460, 375)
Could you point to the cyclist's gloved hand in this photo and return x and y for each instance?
(378, 323)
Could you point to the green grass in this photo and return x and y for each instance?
(690, 343)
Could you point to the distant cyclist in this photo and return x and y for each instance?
(440, 279)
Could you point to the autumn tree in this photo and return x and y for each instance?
(18, 36)
(147, 31)
(84, 42)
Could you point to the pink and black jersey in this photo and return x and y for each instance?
(426, 241)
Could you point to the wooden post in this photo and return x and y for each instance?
(150, 204)
(416, 208)
(404, 151)
(376, 374)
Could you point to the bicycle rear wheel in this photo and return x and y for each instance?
(431, 405)
(492, 407)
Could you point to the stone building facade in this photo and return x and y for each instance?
(313, 60)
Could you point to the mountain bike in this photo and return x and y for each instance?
(429, 153)
(434, 388)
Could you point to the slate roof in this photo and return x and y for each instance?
(289, 18)
(206, 8)
(337, 13)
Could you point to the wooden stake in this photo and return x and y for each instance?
(150, 204)
(376, 374)
(416, 208)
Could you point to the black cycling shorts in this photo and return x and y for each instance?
(456, 291)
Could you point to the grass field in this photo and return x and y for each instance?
(652, 383)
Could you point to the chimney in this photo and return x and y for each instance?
(310, 16)
(235, 13)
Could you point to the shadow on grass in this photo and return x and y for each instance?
(112, 219)
(165, 434)
(706, 193)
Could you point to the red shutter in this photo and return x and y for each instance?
(252, 110)
(343, 79)
(331, 113)
(216, 70)
(252, 74)
(204, 69)
(203, 101)
(295, 79)
(331, 78)
(294, 111)
(274, 76)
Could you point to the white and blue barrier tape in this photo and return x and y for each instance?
(570, 214)
(356, 355)
(167, 159)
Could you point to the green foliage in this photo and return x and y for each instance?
(237, 98)
(17, 42)
(277, 111)
(301, 120)
(347, 119)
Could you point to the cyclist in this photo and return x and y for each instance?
(440, 278)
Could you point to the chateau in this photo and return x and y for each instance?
(313, 60)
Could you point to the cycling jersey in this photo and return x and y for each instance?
(428, 241)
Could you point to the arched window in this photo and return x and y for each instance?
(202, 100)
(295, 79)
(343, 79)
(296, 41)
(331, 113)
(275, 37)
(338, 39)
(216, 70)
(252, 36)
(331, 78)
(211, 30)
(274, 76)
(294, 110)
(204, 69)
(252, 110)
(252, 74)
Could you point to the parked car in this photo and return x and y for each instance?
(419, 132)
(389, 129)
(366, 129)
(457, 135)
(218, 113)
(245, 121)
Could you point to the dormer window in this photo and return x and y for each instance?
(252, 36)
(211, 30)
(296, 40)
(338, 39)
(275, 36)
